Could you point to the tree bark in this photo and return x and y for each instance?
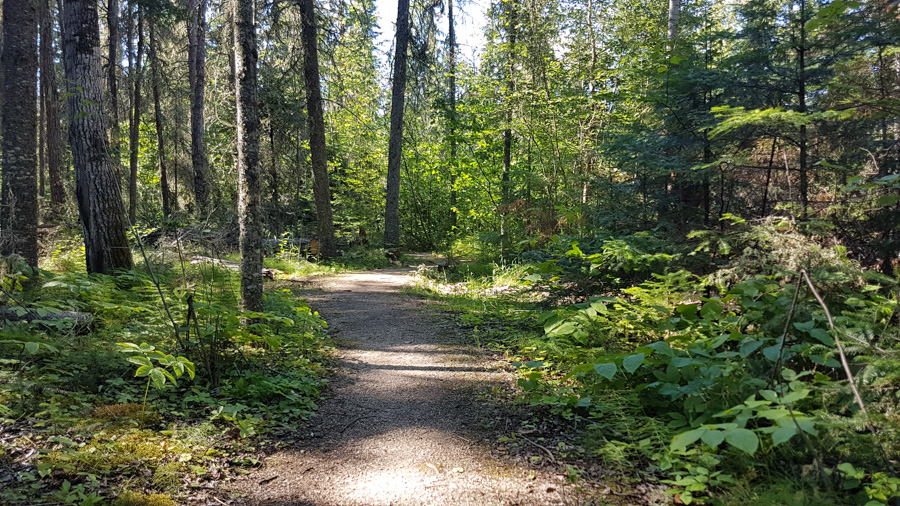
(801, 95)
(197, 76)
(112, 25)
(321, 188)
(451, 85)
(135, 123)
(249, 216)
(100, 206)
(672, 32)
(18, 193)
(511, 21)
(395, 141)
(158, 118)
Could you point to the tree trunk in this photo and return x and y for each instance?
(672, 32)
(451, 63)
(511, 20)
(42, 117)
(395, 142)
(801, 95)
(100, 206)
(197, 76)
(50, 93)
(135, 126)
(158, 119)
(248, 156)
(112, 25)
(321, 188)
(19, 60)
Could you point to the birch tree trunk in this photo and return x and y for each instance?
(249, 216)
(395, 141)
(18, 193)
(100, 206)
(321, 188)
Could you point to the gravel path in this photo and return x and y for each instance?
(403, 421)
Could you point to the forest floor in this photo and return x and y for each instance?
(412, 416)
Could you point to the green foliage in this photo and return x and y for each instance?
(255, 372)
(726, 383)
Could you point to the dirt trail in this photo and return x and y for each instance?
(403, 420)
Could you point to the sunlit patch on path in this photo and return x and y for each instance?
(403, 421)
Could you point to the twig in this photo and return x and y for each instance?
(354, 421)
(826, 480)
(549, 453)
(846, 365)
(787, 326)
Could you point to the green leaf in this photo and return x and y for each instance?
(157, 377)
(535, 364)
(607, 370)
(887, 200)
(632, 362)
(140, 361)
(783, 434)
(142, 371)
(683, 440)
(795, 396)
(713, 438)
(563, 329)
(742, 439)
(32, 347)
(805, 326)
(822, 336)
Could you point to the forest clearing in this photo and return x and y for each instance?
(579, 252)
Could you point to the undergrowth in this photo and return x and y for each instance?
(108, 393)
(706, 364)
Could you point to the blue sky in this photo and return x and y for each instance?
(470, 22)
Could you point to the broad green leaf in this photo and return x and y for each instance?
(583, 402)
(157, 377)
(563, 329)
(140, 361)
(683, 440)
(607, 370)
(795, 396)
(783, 434)
(632, 362)
(805, 326)
(713, 438)
(742, 439)
(142, 371)
(887, 200)
(535, 363)
(32, 347)
(822, 336)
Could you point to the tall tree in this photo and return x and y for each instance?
(158, 118)
(112, 27)
(451, 92)
(249, 215)
(100, 205)
(197, 75)
(50, 96)
(511, 19)
(19, 60)
(135, 119)
(395, 142)
(321, 184)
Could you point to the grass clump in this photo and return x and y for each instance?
(133, 498)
